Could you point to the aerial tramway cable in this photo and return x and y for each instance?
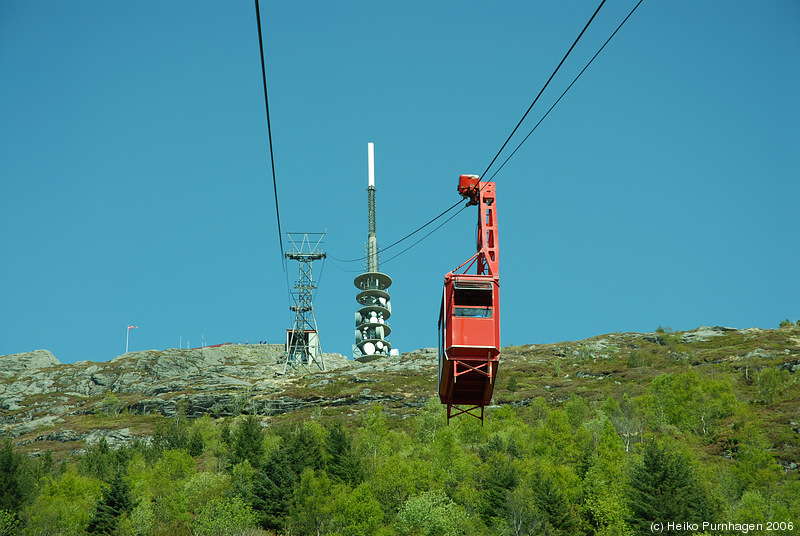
(596, 11)
(565, 91)
(442, 214)
(510, 135)
(517, 127)
(269, 134)
(272, 157)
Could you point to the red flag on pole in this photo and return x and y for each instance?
(133, 327)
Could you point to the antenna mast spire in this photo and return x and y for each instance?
(373, 298)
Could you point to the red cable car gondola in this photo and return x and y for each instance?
(469, 320)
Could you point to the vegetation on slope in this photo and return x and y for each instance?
(600, 437)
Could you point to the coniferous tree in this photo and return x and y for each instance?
(553, 506)
(273, 490)
(11, 486)
(499, 479)
(495, 444)
(196, 444)
(115, 501)
(663, 488)
(304, 449)
(343, 463)
(248, 442)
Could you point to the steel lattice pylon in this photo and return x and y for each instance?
(302, 342)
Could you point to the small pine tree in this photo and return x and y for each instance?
(663, 487)
(273, 491)
(115, 501)
(304, 449)
(11, 488)
(552, 504)
(248, 442)
(342, 463)
(512, 383)
(500, 478)
(196, 444)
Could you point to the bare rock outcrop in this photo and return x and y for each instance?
(37, 391)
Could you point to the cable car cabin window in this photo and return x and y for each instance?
(472, 300)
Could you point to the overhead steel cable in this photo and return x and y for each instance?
(543, 88)
(412, 233)
(498, 152)
(269, 134)
(565, 91)
(512, 134)
(430, 233)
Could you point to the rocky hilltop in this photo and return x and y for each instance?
(47, 405)
(38, 392)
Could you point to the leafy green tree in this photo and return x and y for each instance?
(522, 516)
(323, 506)
(493, 446)
(8, 520)
(626, 418)
(111, 405)
(663, 488)
(356, 512)
(373, 434)
(161, 489)
(751, 508)
(429, 421)
(578, 411)
(63, 505)
(691, 401)
(756, 468)
(100, 461)
(431, 513)
(116, 500)
(604, 486)
(312, 513)
(539, 410)
(224, 517)
(771, 383)
(554, 438)
(399, 477)
(203, 488)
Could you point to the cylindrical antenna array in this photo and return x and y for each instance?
(372, 327)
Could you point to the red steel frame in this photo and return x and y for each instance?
(469, 342)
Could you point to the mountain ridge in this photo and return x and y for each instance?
(48, 405)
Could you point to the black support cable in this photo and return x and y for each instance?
(543, 88)
(269, 134)
(511, 135)
(430, 233)
(565, 91)
(498, 152)
(412, 233)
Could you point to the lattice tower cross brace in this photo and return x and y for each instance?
(299, 351)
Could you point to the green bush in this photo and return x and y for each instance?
(224, 517)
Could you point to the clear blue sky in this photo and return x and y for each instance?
(136, 183)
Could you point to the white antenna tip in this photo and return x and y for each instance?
(371, 159)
